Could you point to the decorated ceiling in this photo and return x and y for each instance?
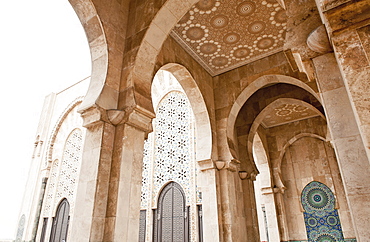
(287, 113)
(224, 34)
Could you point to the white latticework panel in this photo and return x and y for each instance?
(169, 155)
(64, 176)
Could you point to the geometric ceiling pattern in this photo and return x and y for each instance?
(287, 113)
(224, 34)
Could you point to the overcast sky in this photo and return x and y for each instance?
(43, 50)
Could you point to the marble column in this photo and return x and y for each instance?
(207, 184)
(250, 210)
(281, 214)
(92, 190)
(234, 227)
(268, 199)
(348, 26)
(123, 212)
(347, 141)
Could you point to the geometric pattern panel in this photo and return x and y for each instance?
(63, 177)
(321, 218)
(169, 155)
(146, 171)
(173, 146)
(224, 34)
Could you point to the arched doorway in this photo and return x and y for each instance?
(60, 223)
(172, 214)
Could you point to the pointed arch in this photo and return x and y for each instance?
(262, 161)
(158, 31)
(57, 127)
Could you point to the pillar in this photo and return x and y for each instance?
(268, 199)
(207, 183)
(348, 25)
(347, 141)
(92, 189)
(127, 175)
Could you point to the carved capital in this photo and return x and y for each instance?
(93, 116)
(248, 175)
(140, 119)
(133, 116)
(232, 165)
(279, 190)
(205, 165)
(115, 116)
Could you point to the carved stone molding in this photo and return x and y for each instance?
(139, 119)
(205, 165)
(115, 116)
(232, 165)
(267, 190)
(93, 116)
(133, 116)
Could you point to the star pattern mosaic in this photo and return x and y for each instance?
(321, 218)
(225, 34)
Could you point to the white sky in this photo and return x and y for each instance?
(43, 50)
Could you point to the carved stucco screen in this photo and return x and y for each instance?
(169, 157)
(63, 178)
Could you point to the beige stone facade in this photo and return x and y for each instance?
(279, 92)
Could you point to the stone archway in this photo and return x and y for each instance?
(259, 119)
(249, 91)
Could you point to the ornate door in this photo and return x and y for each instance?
(60, 223)
(172, 215)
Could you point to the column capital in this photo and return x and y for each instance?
(133, 116)
(230, 165)
(207, 164)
